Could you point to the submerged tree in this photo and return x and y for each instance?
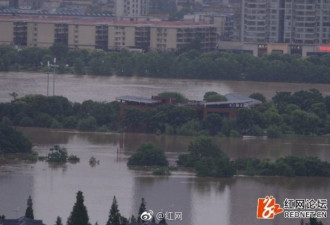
(79, 214)
(114, 216)
(29, 209)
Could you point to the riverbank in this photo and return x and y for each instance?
(78, 88)
(188, 64)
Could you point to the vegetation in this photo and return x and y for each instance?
(285, 166)
(161, 171)
(58, 221)
(213, 97)
(12, 141)
(29, 209)
(114, 216)
(142, 208)
(312, 221)
(59, 154)
(148, 154)
(58, 112)
(207, 159)
(186, 63)
(179, 98)
(304, 112)
(79, 214)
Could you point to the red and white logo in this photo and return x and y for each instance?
(268, 208)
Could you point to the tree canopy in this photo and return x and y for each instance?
(29, 209)
(148, 154)
(207, 159)
(12, 141)
(79, 214)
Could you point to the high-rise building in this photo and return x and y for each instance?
(307, 21)
(261, 20)
(288, 21)
(131, 8)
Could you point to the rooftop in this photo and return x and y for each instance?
(98, 20)
(139, 100)
(231, 99)
(22, 221)
(235, 97)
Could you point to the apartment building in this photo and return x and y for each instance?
(105, 33)
(286, 21)
(224, 23)
(307, 21)
(131, 8)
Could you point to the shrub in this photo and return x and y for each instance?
(57, 154)
(214, 97)
(148, 155)
(73, 158)
(161, 171)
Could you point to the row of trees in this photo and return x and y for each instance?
(190, 63)
(304, 112)
(79, 214)
(285, 166)
(208, 159)
(58, 112)
(12, 141)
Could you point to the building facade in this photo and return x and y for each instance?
(131, 8)
(104, 33)
(285, 21)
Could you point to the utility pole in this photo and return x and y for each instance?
(48, 79)
(54, 65)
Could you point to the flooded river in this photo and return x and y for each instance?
(79, 88)
(225, 201)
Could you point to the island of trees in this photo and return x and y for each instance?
(148, 155)
(207, 159)
(187, 63)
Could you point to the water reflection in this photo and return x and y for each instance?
(16, 184)
(164, 194)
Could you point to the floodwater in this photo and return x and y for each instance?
(225, 201)
(103, 88)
